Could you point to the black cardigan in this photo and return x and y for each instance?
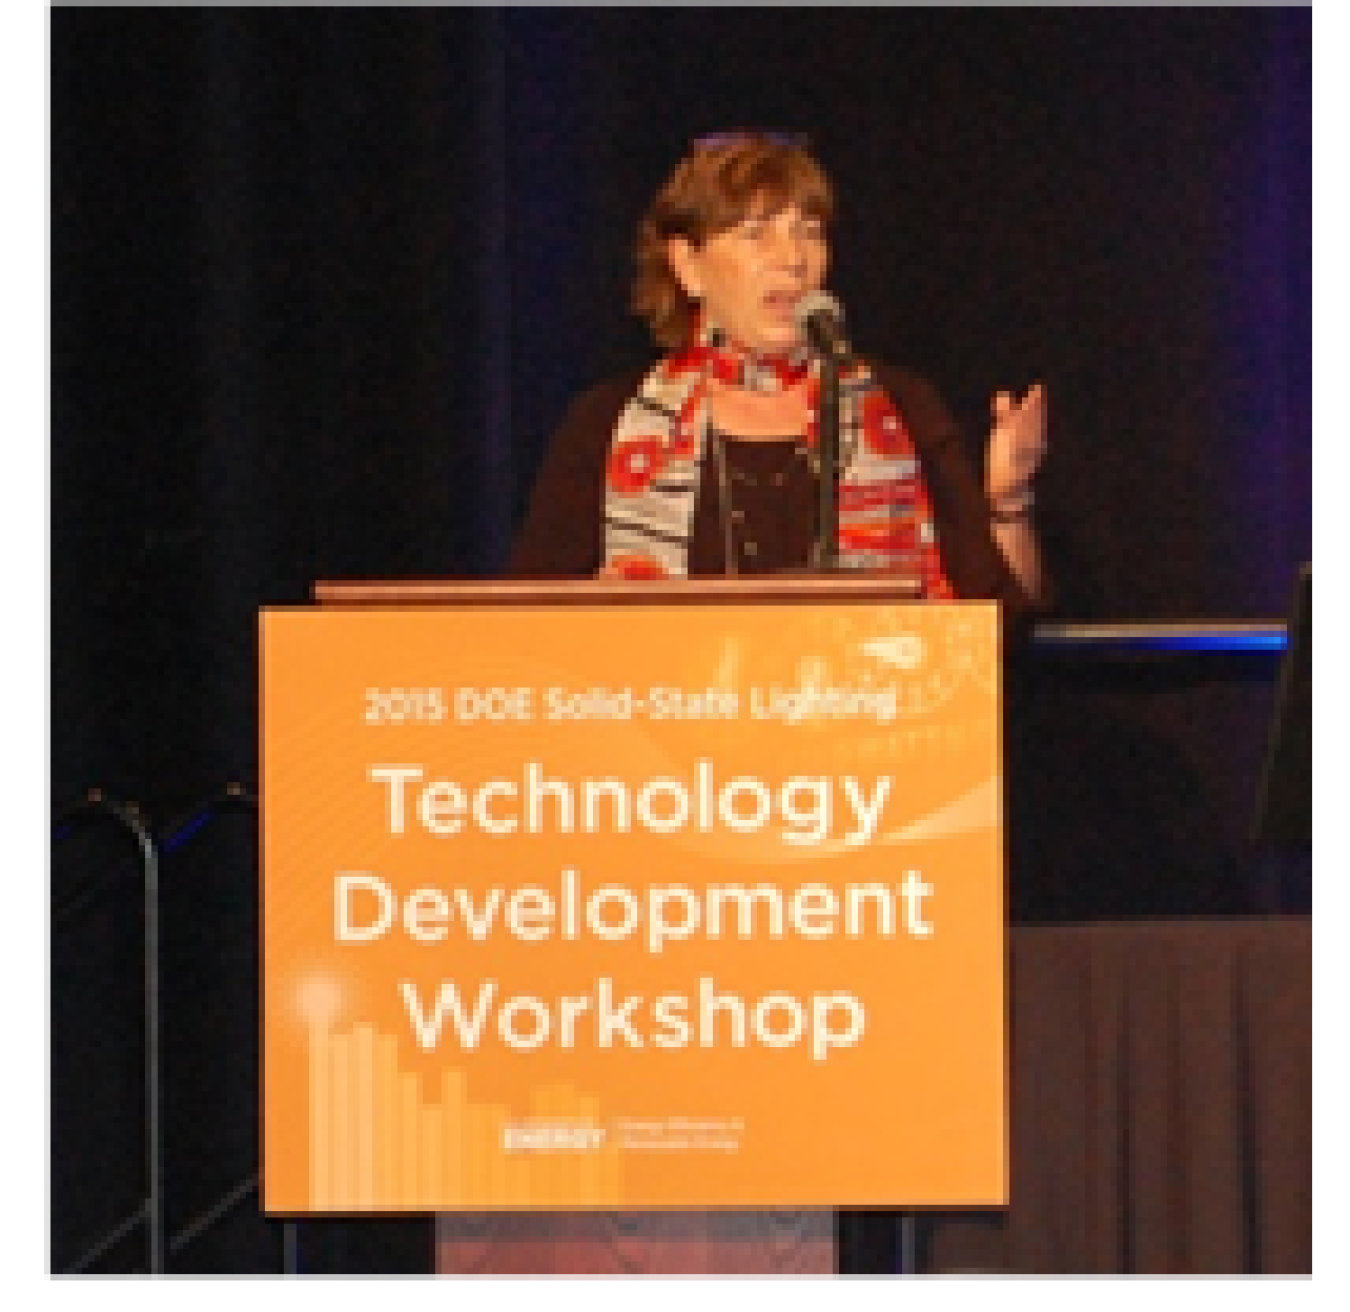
(562, 534)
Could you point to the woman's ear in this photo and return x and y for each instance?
(683, 257)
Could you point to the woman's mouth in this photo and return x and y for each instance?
(782, 304)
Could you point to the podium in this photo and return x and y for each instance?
(632, 927)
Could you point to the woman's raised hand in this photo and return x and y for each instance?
(1016, 448)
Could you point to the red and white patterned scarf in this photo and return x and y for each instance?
(656, 458)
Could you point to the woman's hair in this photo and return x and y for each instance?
(712, 189)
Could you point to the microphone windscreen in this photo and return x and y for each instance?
(814, 303)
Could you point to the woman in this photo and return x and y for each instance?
(706, 463)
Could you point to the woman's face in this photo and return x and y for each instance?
(751, 277)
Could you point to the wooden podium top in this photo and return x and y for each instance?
(534, 592)
(1184, 636)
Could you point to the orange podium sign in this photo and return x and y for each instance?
(576, 905)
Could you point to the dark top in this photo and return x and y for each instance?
(562, 535)
(772, 503)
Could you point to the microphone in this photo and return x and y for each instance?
(821, 320)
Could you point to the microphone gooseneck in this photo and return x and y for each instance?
(820, 319)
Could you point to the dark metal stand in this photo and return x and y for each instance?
(876, 1243)
(150, 1214)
